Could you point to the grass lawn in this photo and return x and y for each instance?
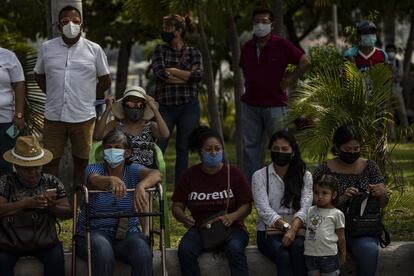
(398, 217)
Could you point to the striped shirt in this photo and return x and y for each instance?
(187, 58)
(106, 202)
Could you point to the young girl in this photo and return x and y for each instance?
(325, 230)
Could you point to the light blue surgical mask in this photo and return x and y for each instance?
(211, 160)
(114, 157)
(368, 40)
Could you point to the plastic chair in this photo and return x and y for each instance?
(154, 192)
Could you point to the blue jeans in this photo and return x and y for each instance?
(326, 265)
(289, 261)
(190, 249)
(52, 259)
(133, 250)
(5, 144)
(185, 117)
(365, 250)
(258, 125)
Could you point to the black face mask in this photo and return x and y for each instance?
(134, 114)
(349, 157)
(280, 158)
(167, 36)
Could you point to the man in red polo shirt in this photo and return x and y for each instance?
(264, 60)
(366, 54)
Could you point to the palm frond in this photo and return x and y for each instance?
(35, 98)
(333, 96)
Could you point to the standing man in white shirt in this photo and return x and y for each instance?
(72, 71)
(12, 93)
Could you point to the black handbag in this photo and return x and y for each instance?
(213, 232)
(27, 230)
(363, 218)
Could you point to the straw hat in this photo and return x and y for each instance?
(28, 153)
(135, 91)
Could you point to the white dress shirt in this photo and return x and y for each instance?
(11, 71)
(71, 77)
(268, 206)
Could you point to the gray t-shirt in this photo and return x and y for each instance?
(321, 225)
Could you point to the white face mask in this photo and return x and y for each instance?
(261, 30)
(71, 30)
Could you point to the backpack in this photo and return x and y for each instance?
(363, 218)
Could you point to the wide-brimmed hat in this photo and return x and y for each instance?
(366, 25)
(28, 153)
(134, 91)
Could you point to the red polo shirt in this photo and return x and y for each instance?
(263, 74)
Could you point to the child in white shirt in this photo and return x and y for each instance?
(325, 230)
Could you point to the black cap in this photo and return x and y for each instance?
(366, 25)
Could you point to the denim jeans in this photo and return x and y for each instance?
(190, 249)
(52, 259)
(5, 144)
(365, 250)
(289, 261)
(133, 250)
(185, 118)
(325, 265)
(258, 125)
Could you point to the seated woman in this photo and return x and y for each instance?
(108, 240)
(26, 190)
(282, 192)
(354, 173)
(203, 190)
(133, 113)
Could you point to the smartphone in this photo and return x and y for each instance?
(51, 193)
(13, 131)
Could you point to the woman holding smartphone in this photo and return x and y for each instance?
(29, 191)
(12, 91)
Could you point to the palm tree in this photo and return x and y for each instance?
(35, 98)
(335, 95)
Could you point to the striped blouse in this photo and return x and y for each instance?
(107, 202)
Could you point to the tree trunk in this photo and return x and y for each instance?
(123, 64)
(409, 47)
(213, 111)
(407, 80)
(238, 81)
(278, 23)
(389, 28)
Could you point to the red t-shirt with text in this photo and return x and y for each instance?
(206, 194)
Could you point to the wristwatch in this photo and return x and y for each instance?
(286, 226)
(19, 115)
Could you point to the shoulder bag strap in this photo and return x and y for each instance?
(228, 187)
(267, 180)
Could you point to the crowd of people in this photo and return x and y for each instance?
(302, 218)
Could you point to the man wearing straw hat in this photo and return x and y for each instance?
(28, 189)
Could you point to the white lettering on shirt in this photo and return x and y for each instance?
(214, 195)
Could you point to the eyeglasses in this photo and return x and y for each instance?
(132, 104)
(75, 20)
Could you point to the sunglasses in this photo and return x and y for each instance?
(75, 20)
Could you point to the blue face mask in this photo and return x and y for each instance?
(210, 160)
(114, 157)
(368, 40)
